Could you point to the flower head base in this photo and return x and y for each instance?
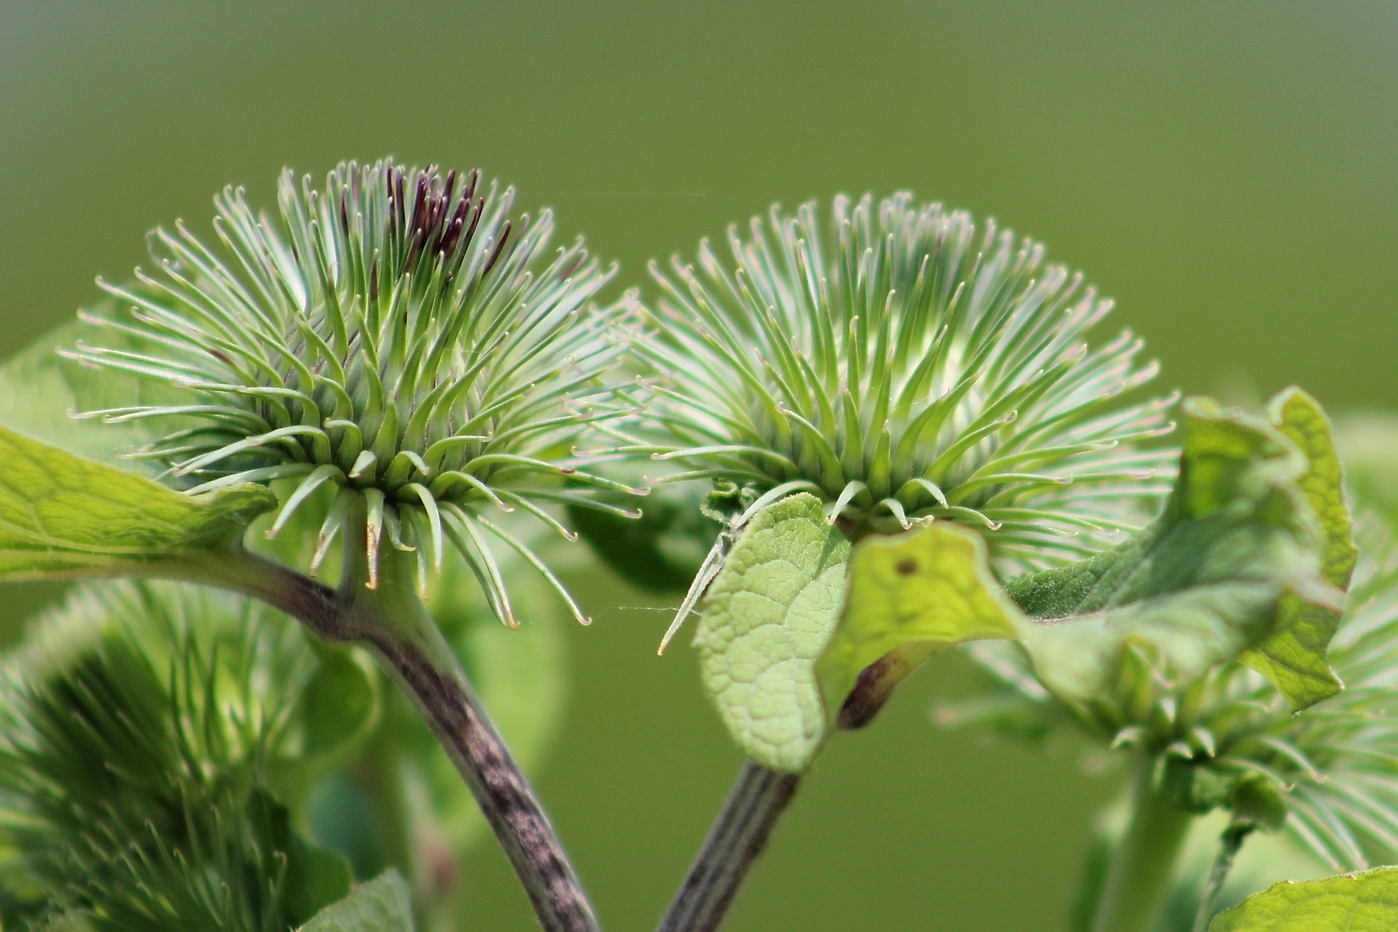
(899, 365)
(396, 335)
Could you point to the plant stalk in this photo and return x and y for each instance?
(1228, 846)
(1143, 863)
(394, 622)
(759, 797)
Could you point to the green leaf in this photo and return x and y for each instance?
(63, 516)
(1362, 902)
(911, 595)
(1294, 655)
(333, 715)
(766, 617)
(381, 905)
(339, 703)
(40, 391)
(315, 876)
(1301, 418)
(1238, 557)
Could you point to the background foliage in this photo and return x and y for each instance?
(1226, 171)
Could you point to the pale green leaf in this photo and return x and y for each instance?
(380, 905)
(766, 617)
(1237, 553)
(63, 516)
(911, 595)
(40, 392)
(1293, 656)
(1301, 418)
(1362, 902)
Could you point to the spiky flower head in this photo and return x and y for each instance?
(397, 335)
(899, 363)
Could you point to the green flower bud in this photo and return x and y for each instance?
(899, 363)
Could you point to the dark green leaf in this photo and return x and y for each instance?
(662, 549)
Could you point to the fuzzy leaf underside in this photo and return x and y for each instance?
(916, 592)
(64, 516)
(766, 617)
(380, 905)
(1362, 902)
(1235, 564)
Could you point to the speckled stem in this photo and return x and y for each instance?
(758, 799)
(393, 621)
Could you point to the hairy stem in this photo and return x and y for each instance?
(394, 622)
(758, 799)
(1143, 863)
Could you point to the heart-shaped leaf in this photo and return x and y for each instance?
(765, 619)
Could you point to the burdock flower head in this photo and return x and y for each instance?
(898, 363)
(397, 336)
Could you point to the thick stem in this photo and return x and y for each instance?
(393, 621)
(1143, 863)
(758, 799)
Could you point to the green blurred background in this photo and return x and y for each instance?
(1226, 170)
